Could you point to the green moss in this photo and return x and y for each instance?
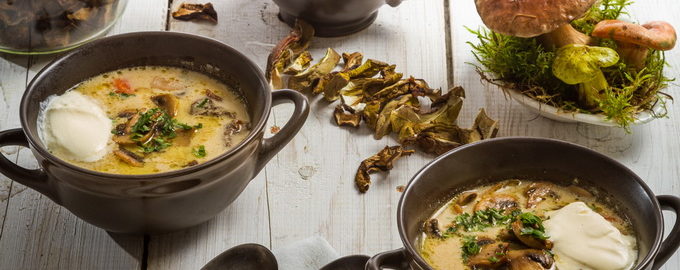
(523, 64)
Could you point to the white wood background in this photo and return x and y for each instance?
(308, 190)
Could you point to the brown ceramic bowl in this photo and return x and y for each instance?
(332, 18)
(156, 202)
(530, 158)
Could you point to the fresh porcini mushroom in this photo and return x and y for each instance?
(634, 40)
(167, 102)
(491, 255)
(129, 157)
(530, 18)
(497, 201)
(529, 259)
(581, 64)
(538, 192)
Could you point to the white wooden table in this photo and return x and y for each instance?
(308, 188)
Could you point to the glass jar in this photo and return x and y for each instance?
(50, 26)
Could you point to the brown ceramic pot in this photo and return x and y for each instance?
(156, 202)
(332, 18)
(530, 158)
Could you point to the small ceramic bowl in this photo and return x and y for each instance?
(161, 202)
(556, 161)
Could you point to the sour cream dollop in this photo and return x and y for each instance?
(583, 239)
(75, 127)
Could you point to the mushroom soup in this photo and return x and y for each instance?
(521, 225)
(143, 120)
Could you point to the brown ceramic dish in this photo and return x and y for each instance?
(156, 202)
(530, 158)
(332, 18)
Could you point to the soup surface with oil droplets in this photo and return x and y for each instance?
(161, 119)
(519, 224)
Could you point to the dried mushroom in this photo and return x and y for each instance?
(187, 12)
(346, 116)
(306, 80)
(382, 161)
(300, 64)
(288, 49)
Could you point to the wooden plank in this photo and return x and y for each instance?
(12, 81)
(38, 233)
(651, 150)
(315, 173)
(247, 219)
(313, 178)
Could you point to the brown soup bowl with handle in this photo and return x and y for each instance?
(538, 159)
(332, 18)
(162, 202)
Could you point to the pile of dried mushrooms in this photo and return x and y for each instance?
(373, 92)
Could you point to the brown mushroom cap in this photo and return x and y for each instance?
(529, 18)
(655, 35)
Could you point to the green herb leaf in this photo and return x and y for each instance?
(202, 104)
(470, 246)
(199, 152)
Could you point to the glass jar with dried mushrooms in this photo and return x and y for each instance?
(49, 26)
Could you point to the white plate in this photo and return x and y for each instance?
(556, 114)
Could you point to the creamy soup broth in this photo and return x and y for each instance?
(444, 249)
(206, 131)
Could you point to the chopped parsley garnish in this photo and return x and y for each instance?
(164, 126)
(203, 102)
(121, 95)
(493, 259)
(483, 219)
(470, 246)
(533, 225)
(199, 152)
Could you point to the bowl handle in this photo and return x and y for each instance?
(271, 146)
(394, 259)
(671, 243)
(393, 3)
(35, 179)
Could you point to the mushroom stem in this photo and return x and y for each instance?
(562, 36)
(591, 91)
(632, 54)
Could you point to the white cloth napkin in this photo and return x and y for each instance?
(307, 254)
